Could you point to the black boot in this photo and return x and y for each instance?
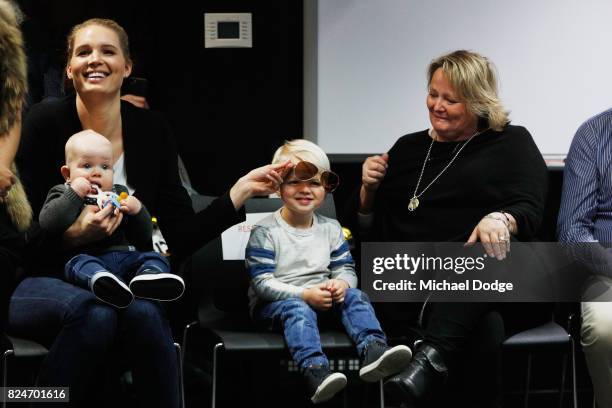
(423, 377)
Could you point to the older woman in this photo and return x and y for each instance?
(80, 331)
(471, 177)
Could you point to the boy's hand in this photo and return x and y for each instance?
(337, 288)
(130, 205)
(318, 297)
(81, 186)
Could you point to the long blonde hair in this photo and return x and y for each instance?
(14, 80)
(473, 77)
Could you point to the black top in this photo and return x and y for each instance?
(151, 168)
(495, 171)
(12, 242)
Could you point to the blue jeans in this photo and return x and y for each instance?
(299, 323)
(123, 264)
(82, 333)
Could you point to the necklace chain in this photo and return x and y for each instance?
(414, 201)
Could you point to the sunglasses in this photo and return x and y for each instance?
(305, 171)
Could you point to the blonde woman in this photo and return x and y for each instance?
(470, 177)
(78, 330)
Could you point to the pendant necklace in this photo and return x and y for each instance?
(414, 201)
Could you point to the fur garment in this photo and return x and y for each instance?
(13, 88)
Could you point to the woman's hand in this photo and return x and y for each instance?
(92, 225)
(319, 297)
(494, 234)
(261, 181)
(7, 179)
(373, 172)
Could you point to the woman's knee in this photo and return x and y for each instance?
(147, 321)
(97, 328)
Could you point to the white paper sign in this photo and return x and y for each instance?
(235, 239)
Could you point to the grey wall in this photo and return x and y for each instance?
(366, 75)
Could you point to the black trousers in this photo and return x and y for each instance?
(469, 336)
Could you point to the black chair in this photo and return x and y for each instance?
(550, 335)
(26, 349)
(19, 348)
(223, 307)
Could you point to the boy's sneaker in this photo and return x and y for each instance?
(380, 361)
(157, 286)
(322, 384)
(110, 289)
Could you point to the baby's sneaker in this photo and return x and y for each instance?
(157, 286)
(110, 289)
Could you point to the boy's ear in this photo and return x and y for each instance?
(65, 172)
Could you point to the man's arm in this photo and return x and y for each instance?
(579, 201)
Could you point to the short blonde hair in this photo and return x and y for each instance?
(473, 77)
(302, 149)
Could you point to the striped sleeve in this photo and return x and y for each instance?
(580, 185)
(260, 263)
(341, 262)
(580, 199)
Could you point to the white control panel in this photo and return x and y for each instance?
(228, 30)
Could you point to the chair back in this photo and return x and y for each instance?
(221, 285)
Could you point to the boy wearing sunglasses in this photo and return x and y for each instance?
(302, 271)
(102, 266)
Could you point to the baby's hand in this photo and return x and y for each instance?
(130, 205)
(81, 186)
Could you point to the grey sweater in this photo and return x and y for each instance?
(63, 206)
(283, 261)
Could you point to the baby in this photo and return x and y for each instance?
(104, 265)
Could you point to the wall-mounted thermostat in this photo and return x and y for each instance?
(228, 30)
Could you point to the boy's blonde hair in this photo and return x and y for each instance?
(302, 149)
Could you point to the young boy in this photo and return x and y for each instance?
(300, 268)
(105, 264)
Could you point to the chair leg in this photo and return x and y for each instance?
(179, 358)
(185, 330)
(562, 385)
(5, 357)
(382, 394)
(574, 390)
(214, 384)
(528, 380)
